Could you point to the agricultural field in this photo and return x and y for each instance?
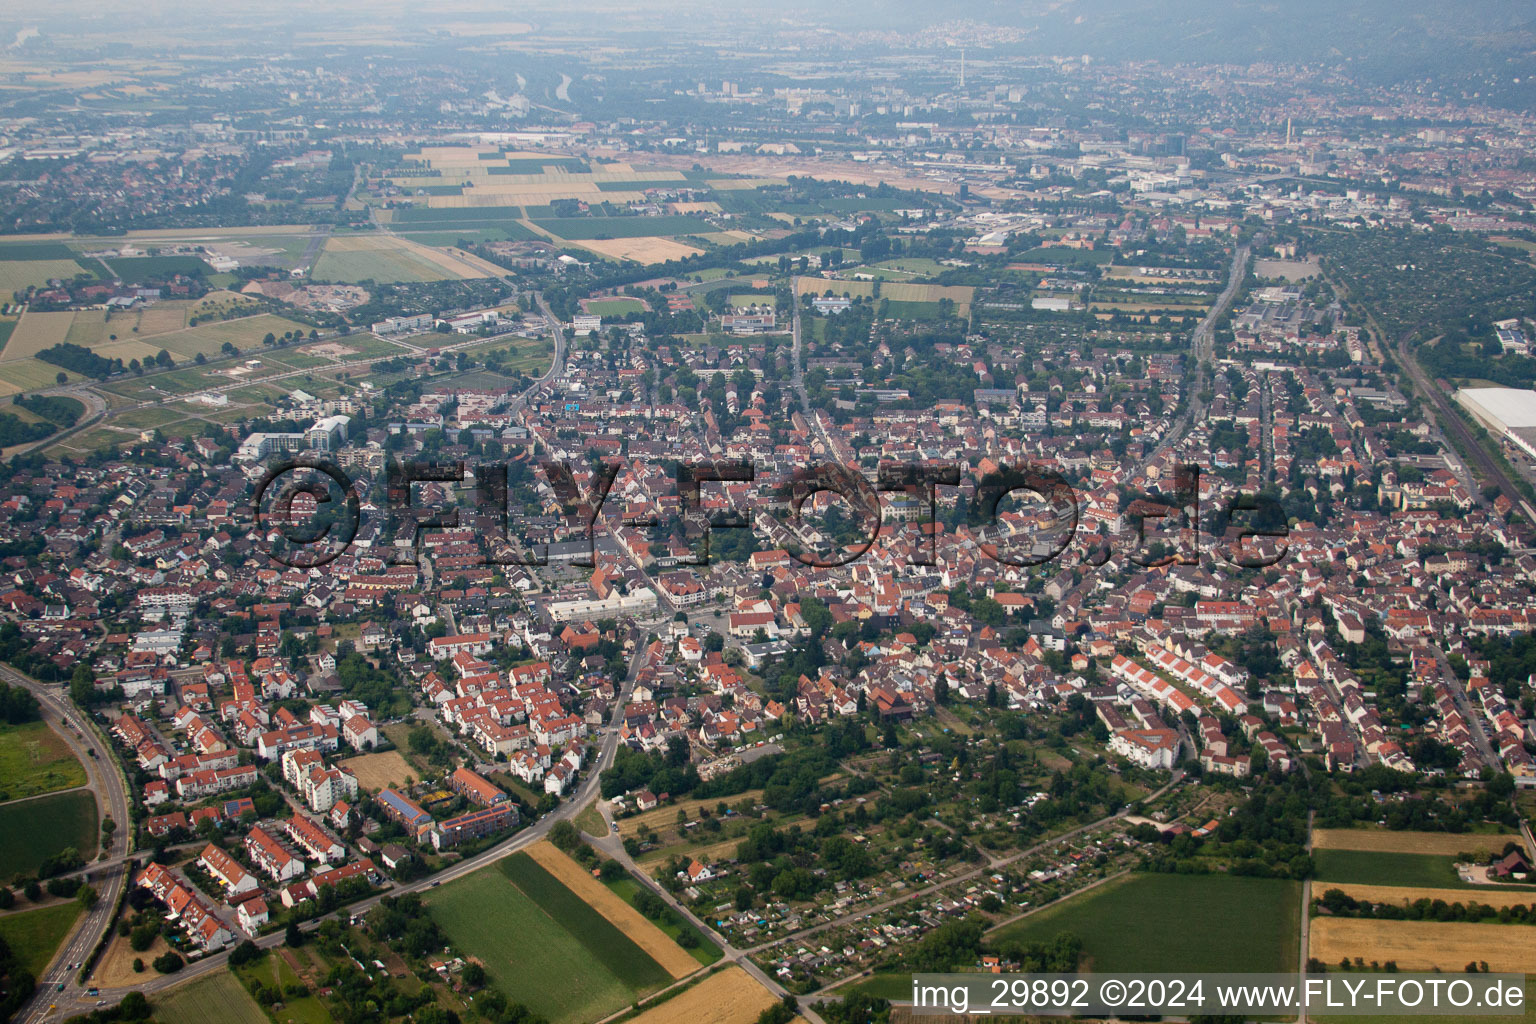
(376, 771)
(350, 259)
(216, 998)
(35, 935)
(35, 332)
(641, 249)
(582, 229)
(656, 943)
(1443, 843)
(1424, 945)
(527, 928)
(34, 759)
(140, 269)
(32, 830)
(1371, 867)
(730, 996)
(18, 275)
(1490, 896)
(706, 952)
(1246, 924)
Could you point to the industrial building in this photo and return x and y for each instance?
(1506, 412)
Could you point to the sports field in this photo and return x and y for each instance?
(33, 760)
(613, 307)
(1244, 924)
(31, 830)
(1373, 867)
(896, 291)
(34, 935)
(216, 998)
(528, 929)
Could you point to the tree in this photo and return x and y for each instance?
(293, 937)
(61, 377)
(473, 975)
(133, 1007)
(168, 962)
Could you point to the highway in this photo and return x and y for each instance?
(103, 779)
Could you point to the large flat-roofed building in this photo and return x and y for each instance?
(1507, 412)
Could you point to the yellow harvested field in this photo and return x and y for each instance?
(1487, 895)
(662, 818)
(17, 275)
(389, 258)
(649, 249)
(1383, 841)
(162, 318)
(35, 332)
(727, 997)
(376, 771)
(709, 207)
(1424, 945)
(657, 944)
(128, 350)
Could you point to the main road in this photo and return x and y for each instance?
(103, 779)
(1202, 348)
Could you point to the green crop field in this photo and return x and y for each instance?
(215, 998)
(581, 229)
(527, 928)
(31, 830)
(35, 935)
(1371, 867)
(33, 760)
(1230, 923)
(35, 251)
(138, 269)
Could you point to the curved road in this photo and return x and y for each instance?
(103, 779)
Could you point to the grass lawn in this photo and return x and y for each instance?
(35, 935)
(1246, 924)
(1373, 867)
(272, 970)
(614, 307)
(216, 998)
(31, 830)
(527, 928)
(33, 760)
